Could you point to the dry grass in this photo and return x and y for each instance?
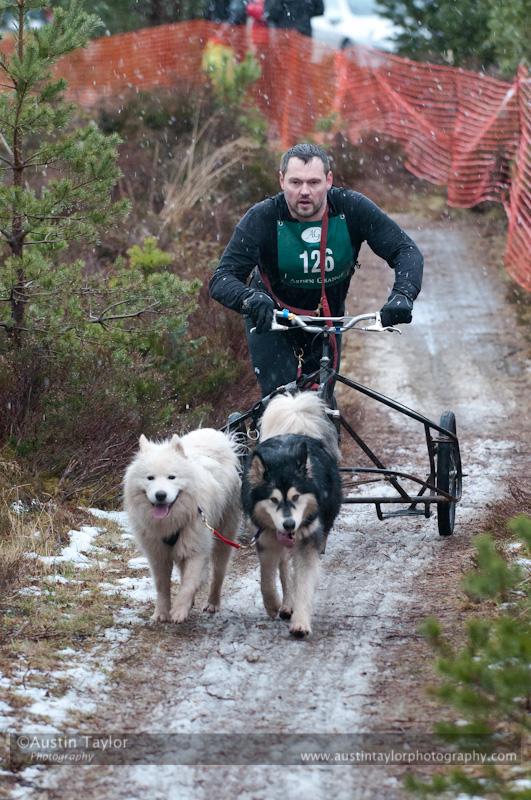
(521, 299)
(46, 606)
(517, 500)
(49, 609)
(15, 533)
(29, 525)
(201, 170)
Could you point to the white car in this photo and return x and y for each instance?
(349, 22)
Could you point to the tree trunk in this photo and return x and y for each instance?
(18, 295)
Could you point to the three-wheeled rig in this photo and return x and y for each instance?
(442, 485)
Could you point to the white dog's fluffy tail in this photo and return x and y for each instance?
(214, 443)
(303, 413)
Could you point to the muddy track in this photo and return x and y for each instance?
(363, 668)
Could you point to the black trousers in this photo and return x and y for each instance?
(274, 355)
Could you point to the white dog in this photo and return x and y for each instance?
(170, 489)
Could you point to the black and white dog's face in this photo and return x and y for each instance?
(281, 490)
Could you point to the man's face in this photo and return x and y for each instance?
(305, 187)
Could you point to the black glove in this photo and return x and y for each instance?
(397, 310)
(260, 307)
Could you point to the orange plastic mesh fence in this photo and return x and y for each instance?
(518, 204)
(458, 128)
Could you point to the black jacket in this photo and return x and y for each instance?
(293, 13)
(254, 243)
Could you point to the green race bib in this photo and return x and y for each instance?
(299, 259)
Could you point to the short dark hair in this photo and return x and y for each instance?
(305, 152)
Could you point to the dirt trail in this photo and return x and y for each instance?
(362, 670)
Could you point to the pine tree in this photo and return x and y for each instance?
(454, 30)
(472, 33)
(510, 34)
(57, 182)
(123, 15)
(57, 186)
(488, 680)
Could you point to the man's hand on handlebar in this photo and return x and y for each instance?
(266, 317)
(285, 320)
(260, 308)
(397, 310)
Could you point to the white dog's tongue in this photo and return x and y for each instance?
(159, 512)
(285, 540)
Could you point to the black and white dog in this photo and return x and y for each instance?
(292, 492)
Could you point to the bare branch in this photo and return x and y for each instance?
(49, 162)
(133, 315)
(45, 241)
(10, 328)
(70, 217)
(7, 147)
(121, 303)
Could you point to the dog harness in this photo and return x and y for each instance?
(172, 540)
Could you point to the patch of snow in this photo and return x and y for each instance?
(140, 589)
(57, 579)
(120, 517)
(48, 713)
(463, 796)
(81, 543)
(140, 562)
(127, 616)
(27, 791)
(117, 635)
(88, 686)
(18, 507)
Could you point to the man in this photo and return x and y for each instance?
(293, 14)
(279, 242)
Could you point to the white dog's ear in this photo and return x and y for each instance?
(176, 443)
(143, 443)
